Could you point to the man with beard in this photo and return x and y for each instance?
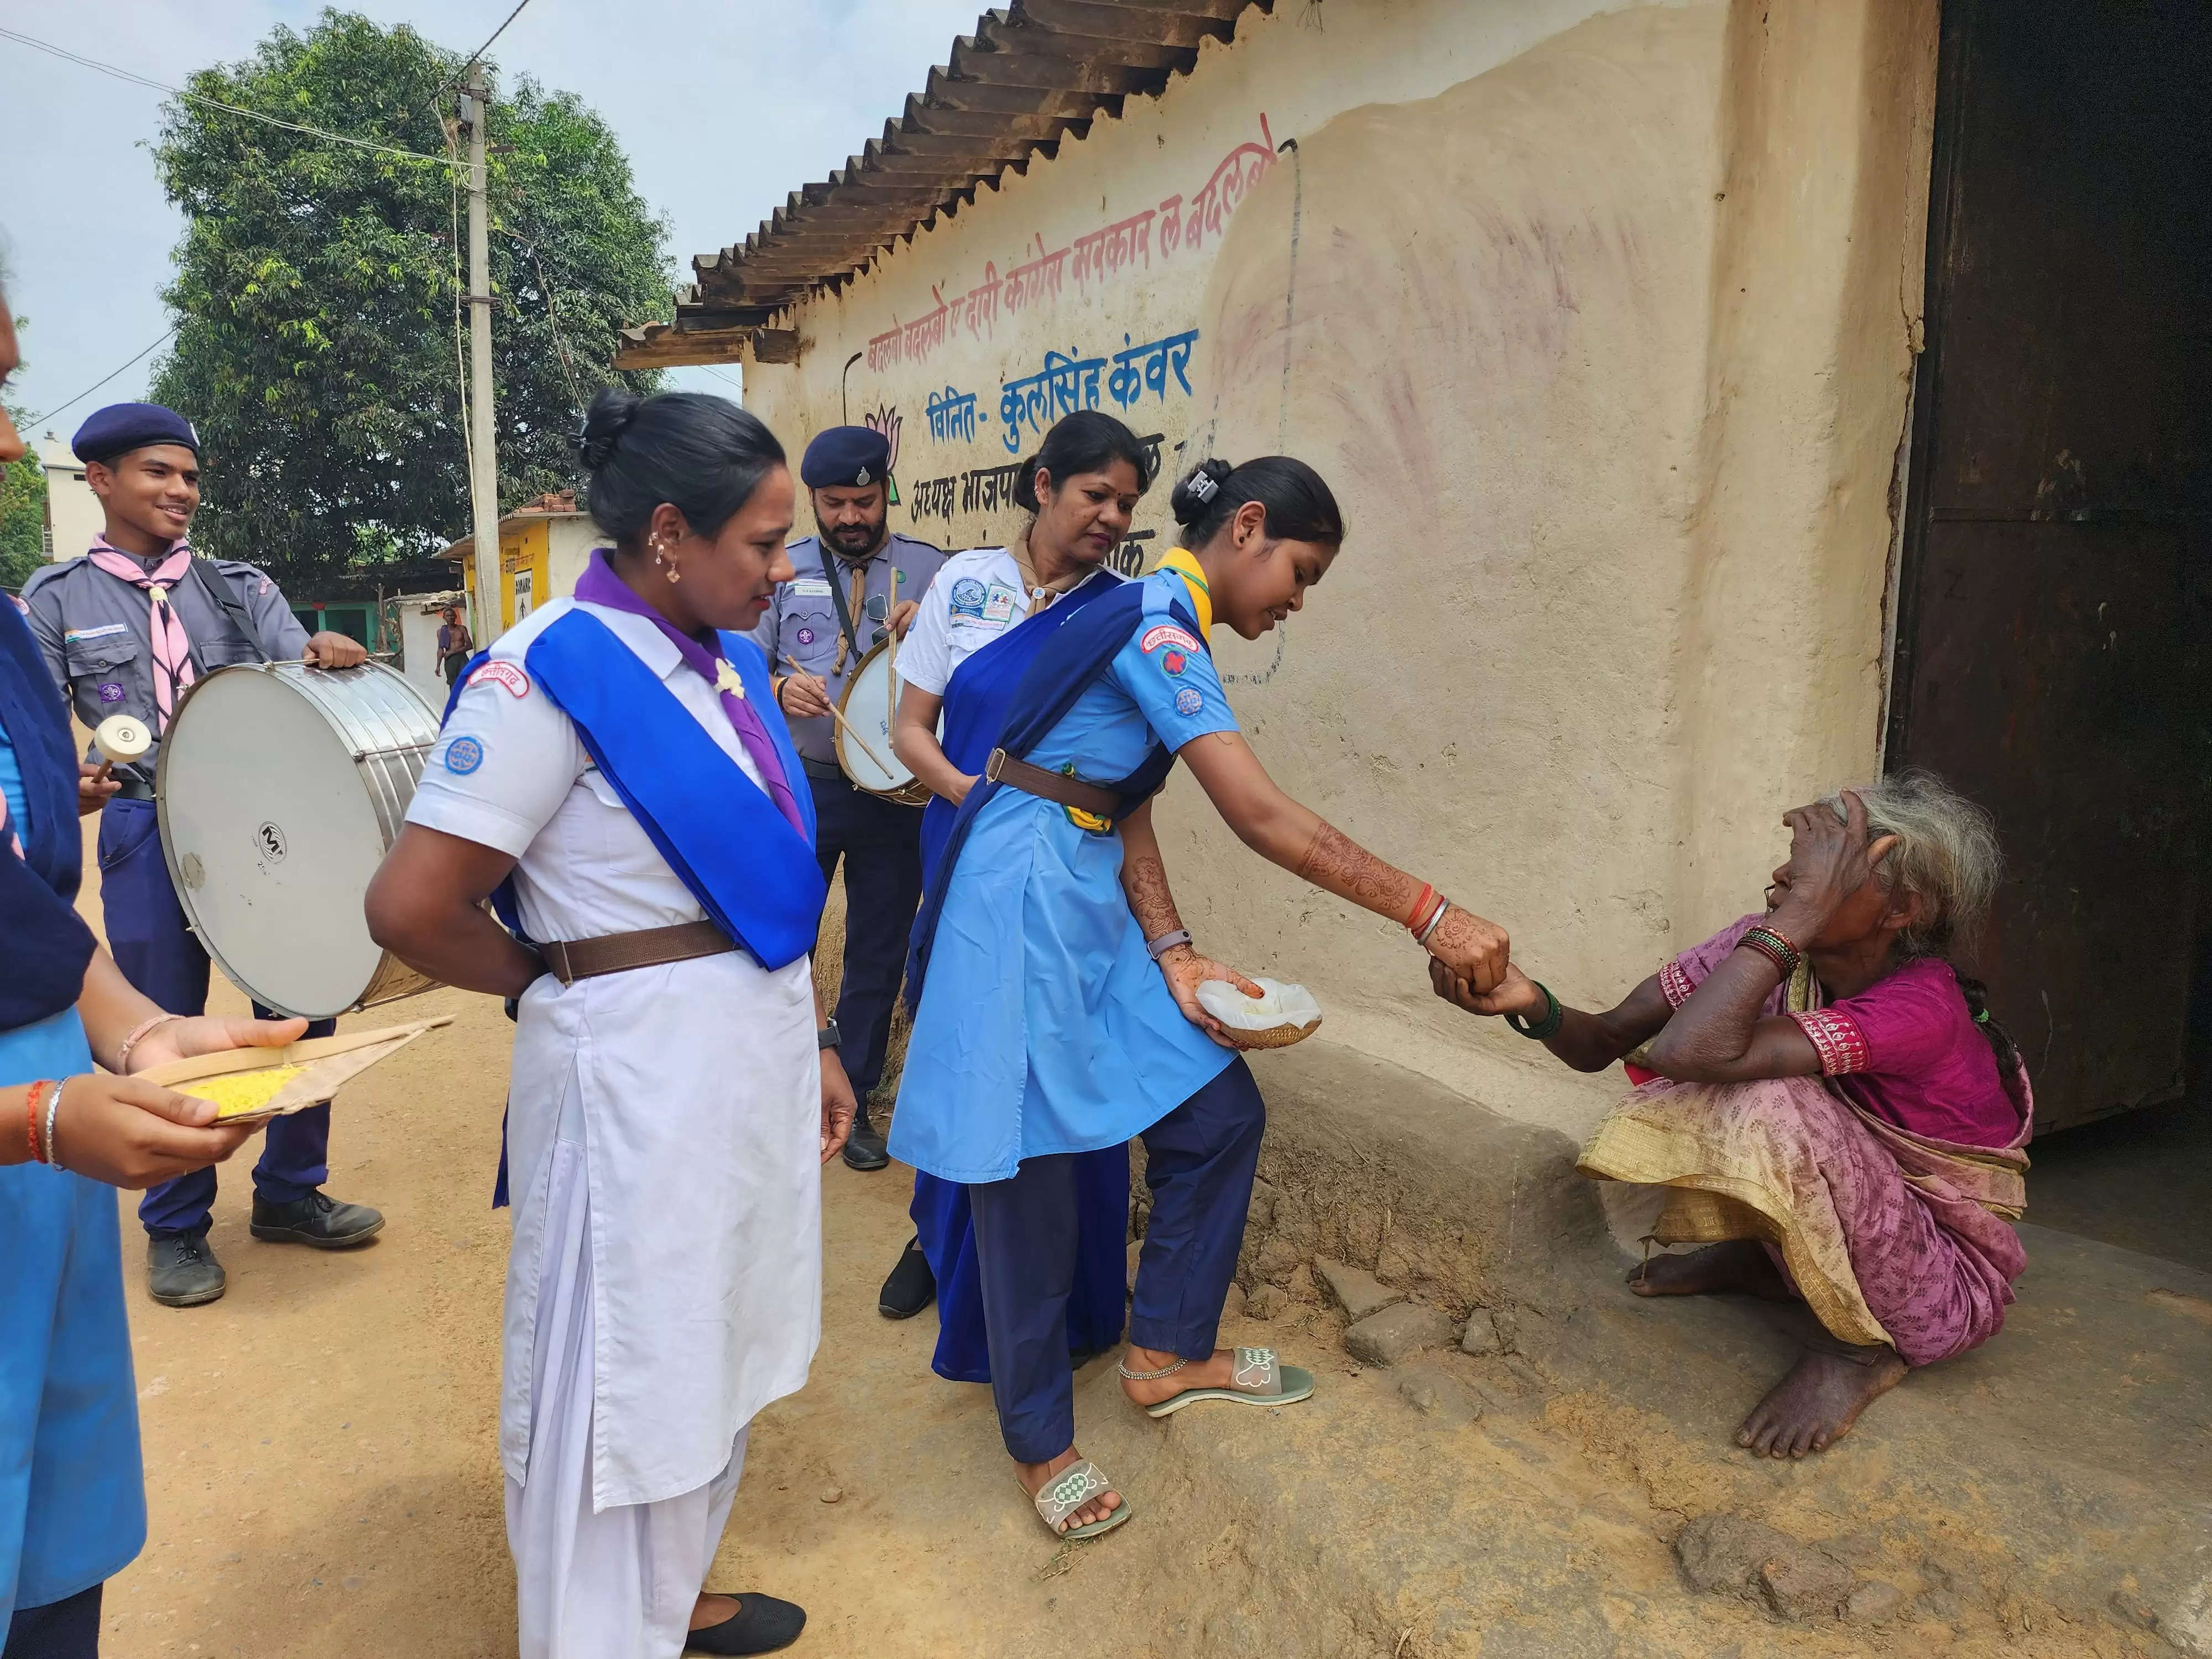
(854, 585)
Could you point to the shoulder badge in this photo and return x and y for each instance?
(505, 674)
(1167, 634)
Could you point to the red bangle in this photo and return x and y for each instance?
(36, 1092)
(1414, 917)
(1423, 908)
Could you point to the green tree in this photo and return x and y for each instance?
(23, 503)
(316, 283)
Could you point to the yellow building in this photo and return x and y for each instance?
(543, 549)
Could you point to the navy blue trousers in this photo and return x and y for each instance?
(1100, 1296)
(159, 955)
(1199, 1161)
(880, 843)
(68, 1629)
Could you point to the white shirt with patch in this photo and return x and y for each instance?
(691, 1091)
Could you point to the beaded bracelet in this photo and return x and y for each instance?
(1775, 947)
(1554, 1017)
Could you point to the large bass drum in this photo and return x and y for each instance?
(864, 736)
(280, 788)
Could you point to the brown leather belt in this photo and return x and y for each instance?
(570, 960)
(1099, 802)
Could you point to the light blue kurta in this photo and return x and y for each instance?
(1044, 1028)
(72, 1494)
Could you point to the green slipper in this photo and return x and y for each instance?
(1255, 1379)
(1069, 1491)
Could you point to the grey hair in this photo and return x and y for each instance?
(1947, 852)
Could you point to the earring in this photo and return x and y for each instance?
(660, 558)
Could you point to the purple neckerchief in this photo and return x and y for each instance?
(599, 585)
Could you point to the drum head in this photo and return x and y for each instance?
(275, 803)
(870, 696)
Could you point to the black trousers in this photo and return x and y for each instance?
(68, 1629)
(880, 843)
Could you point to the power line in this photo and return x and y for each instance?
(216, 103)
(38, 419)
(501, 30)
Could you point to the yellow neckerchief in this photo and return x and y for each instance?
(1184, 563)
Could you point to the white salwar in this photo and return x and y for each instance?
(663, 1154)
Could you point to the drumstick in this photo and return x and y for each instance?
(837, 715)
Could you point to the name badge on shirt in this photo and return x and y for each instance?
(810, 588)
(75, 635)
(999, 605)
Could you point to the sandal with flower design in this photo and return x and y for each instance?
(1064, 1493)
(1256, 1378)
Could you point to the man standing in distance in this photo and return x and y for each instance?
(127, 630)
(854, 585)
(455, 647)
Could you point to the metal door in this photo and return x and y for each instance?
(2051, 599)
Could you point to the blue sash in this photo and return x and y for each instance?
(1069, 660)
(754, 876)
(45, 944)
(976, 696)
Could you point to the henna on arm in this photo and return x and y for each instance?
(1337, 864)
(1145, 876)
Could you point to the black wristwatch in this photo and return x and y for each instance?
(828, 1036)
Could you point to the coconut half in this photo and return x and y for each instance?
(1286, 1014)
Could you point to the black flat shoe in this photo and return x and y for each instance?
(317, 1220)
(181, 1271)
(761, 1625)
(911, 1286)
(864, 1148)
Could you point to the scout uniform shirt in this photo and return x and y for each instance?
(800, 633)
(94, 631)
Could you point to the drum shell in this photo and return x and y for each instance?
(379, 722)
(867, 778)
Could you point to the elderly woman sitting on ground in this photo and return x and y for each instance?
(1827, 1097)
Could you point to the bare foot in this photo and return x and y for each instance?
(1033, 1477)
(1815, 1405)
(713, 1610)
(1742, 1264)
(1212, 1373)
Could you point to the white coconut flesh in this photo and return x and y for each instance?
(1291, 1007)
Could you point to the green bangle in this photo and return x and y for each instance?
(1554, 1017)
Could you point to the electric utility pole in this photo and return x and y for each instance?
(484, 447)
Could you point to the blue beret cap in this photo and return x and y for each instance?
(121, 428)
(845, 458)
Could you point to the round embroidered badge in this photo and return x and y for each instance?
(463, 756)
(1187, 701)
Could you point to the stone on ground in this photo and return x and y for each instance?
(1481, 1336)
(1397, 1334)
(1433, 1391)
(1266, 1301)
(1733, 1555)
(1358, 1292)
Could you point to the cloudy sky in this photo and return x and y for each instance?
(723, 105)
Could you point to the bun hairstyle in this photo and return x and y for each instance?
(1300, 506)
(1084, 441)
(701, 453)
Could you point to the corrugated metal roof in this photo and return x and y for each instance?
(1030, 75)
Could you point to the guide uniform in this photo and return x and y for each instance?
(878, 840)
(1043, 1029)
(970, 647)
(663, 1130)
(96, 630)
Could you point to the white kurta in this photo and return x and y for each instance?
(695, 1087)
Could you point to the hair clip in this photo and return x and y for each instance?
(1203, 486)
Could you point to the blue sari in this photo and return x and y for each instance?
(975, 703)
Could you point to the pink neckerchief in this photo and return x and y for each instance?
(173, 647)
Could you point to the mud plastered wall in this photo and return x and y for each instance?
(1602, 328)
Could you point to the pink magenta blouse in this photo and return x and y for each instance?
(1905, 1049)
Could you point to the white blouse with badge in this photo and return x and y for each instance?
(694, 1087)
